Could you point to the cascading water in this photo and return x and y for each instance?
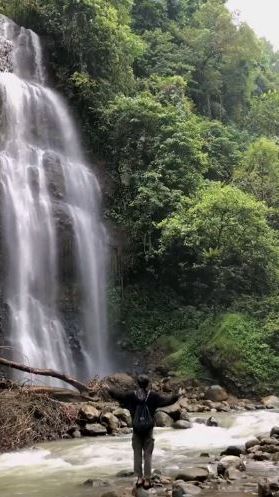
(38, 140)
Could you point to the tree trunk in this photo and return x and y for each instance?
(81, 387)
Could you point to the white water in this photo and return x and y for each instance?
(38, 140)
(57, 469)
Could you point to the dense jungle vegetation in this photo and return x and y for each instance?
(180, 103)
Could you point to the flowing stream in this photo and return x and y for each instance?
(58, 469)
(45, 181)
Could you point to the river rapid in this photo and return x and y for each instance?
(58, 469)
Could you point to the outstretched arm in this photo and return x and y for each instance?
(123, 397)
(165, 400)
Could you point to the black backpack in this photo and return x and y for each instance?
(143, 421)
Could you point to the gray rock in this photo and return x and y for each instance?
(233, 450)
(123, 415)
(200, 421)
(184, 416)
(262, 456)
(162, 419)
(269, 441)
(275, 431)
(193, 474)
(234, 474)
(173, 411)
(95, 483)
(181, 489)
(126, 430)
(211, 421)
(184, 403)
(216, 393)
(251, 443)
(121, 381)
(229, 462)
(125, 473)
(76, 434)
(94, 430)
(111, 421)
(89, 413)
(271, 402)
(182, 425)
(268, 487)
(140, 492)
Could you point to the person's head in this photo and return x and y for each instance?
(143, 381)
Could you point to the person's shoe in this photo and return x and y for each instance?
(139, 482)
(147, 484)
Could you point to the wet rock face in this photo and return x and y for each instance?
(6, 48)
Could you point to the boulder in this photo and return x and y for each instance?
(269, 441)
(125, 473)
(123, 415)
(271, 402)
(95, 483)
(262, 456)
(275, 432)
(111, 421)
(216, 393)
(173, 411)
(162, 419)
(184, 416)
(200, 421)
(140, 492)
(182, 425)
(233, 450)
(193, 474)
(181, 489)
(211, 421)
(268, 487)
(184, 403)
(94, 430)
(122, 381)
(126, 430)
(233, 474)
(228, 462)
(76, 434)
(89, 413)
(251, 443)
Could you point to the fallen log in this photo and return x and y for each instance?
(81, 387)
(61, 394)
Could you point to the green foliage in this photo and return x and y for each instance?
(240, 353)
(221, 244)
(224, 146)
(263, 118)
(258, 172)
(154, 145)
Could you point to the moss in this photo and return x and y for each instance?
(239, 352)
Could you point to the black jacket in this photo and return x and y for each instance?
(130, 400)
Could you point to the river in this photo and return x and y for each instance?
(58, 469)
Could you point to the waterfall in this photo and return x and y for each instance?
(39, 146)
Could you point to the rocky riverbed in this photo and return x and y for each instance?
(60, 469)
(208, 443)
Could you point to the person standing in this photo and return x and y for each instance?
(142, 404)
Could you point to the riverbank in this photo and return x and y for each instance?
(30, 415)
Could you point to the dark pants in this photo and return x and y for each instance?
(143, 445)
